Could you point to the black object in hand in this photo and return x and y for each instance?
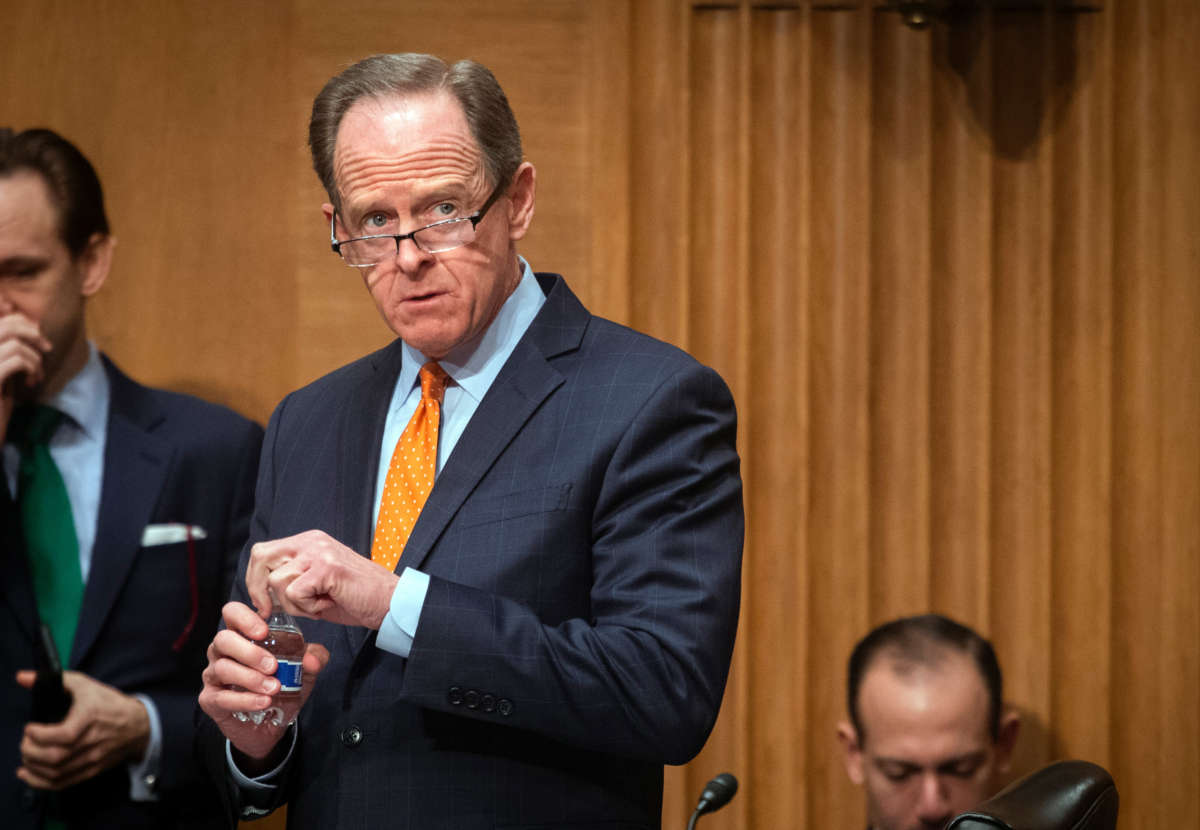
(50, 700)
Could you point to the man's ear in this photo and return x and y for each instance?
(852, 755)
(327, 210)
(94, 263)
(1006, 737)
(521, 197)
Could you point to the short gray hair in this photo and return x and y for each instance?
(472, 84)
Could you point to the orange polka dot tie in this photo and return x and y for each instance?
(410, 473)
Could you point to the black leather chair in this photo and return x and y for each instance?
(1067, 795)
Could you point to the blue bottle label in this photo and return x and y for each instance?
(288, 673)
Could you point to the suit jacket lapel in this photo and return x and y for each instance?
(361, 434)
(526, 380)
(136, 462)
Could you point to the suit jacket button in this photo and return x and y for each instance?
(455, 697)
(488, 703)
(352, 736)
(471, 698)
(504, 706)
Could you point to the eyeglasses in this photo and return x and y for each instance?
(446, 235)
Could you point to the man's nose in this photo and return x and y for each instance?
(410, 256)
(934, 804)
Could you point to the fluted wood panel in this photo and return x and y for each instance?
(1179, 708)
(838, 529)
(773, 415)
(952, 276)
(1082, 366)
(960, 323)
(1020, 414)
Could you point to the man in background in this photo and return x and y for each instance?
(513, 535)
(124, 510)
(928, 735)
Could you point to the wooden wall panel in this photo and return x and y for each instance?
(774, 417)
(961, 236)
(900, 248)
(839, 351)
(659, 197)
(1020, 417)
(1081, 394)
(1179, 710)
(1139, 262)
(950, 275)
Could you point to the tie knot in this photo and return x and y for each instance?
(433, 381)
(34, 425)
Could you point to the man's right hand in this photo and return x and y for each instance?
(22, 349)
(240, 677)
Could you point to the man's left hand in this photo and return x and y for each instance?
(102, 728)
(314, 575)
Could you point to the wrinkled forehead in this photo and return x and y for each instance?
(405, 140)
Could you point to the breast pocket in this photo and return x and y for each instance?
(514, 506)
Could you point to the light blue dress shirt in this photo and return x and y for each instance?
(77, 448)
(472, 368)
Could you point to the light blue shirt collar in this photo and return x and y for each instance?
(475, 372)
(84, 398)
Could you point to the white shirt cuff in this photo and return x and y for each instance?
(143, 774)
(260, 783)
(404, 612)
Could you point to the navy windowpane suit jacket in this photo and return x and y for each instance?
(584, 546)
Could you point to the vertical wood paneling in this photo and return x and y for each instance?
(1020, 525)
(1137, 739)
(659, 157)
(1081, 489)
(961, 322)
(610, 170)
(900, 299)
(1179, 712)
(775, 418)
(838, 386)
(715, 220)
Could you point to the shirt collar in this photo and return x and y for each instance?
(84, 398)
(475, 370)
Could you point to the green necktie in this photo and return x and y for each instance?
(48, 529)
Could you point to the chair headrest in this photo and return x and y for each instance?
(1067, 795)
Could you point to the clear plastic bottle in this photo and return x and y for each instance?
(285, 641)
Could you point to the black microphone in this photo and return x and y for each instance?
(716, 795)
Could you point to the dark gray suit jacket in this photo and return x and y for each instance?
(584, 546)
(148, 614)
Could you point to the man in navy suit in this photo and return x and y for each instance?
(157, 493)
(561, 620)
